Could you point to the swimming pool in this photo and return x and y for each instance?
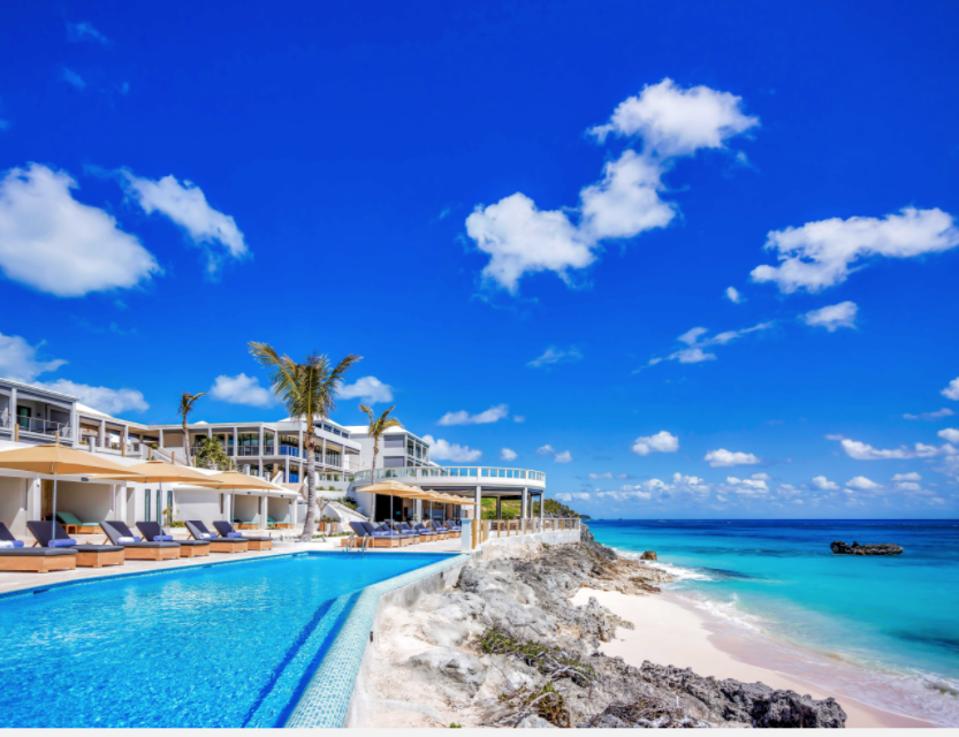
(218, 645)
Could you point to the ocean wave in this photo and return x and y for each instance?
(680, 573)
(729, 611)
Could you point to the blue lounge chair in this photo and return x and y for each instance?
(52, 535)
(256, 542)
(135, 547)
(218, 544)
(15, 556)
(188, 548)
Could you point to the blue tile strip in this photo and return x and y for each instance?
(325, 701)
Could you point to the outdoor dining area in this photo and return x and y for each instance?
(62, 539)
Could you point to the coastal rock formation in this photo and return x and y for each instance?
(506, 647)
(648, 555)
(840, 548)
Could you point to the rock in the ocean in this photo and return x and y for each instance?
(840, 548)
(648, 555)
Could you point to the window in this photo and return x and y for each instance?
(147, 504)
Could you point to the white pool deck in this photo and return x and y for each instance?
(15, 581)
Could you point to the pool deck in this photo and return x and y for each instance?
(16, 581)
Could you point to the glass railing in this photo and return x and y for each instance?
(39, 426)
(478, 473)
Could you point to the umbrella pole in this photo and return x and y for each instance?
(53, 515)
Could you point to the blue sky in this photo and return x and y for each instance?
(526, 218)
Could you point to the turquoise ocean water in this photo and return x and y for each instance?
(894, 618)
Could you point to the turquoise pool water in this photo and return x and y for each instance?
(220, 645)
(894, 617)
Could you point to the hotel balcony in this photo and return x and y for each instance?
(461, 477)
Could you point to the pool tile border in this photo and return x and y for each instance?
(325, 702)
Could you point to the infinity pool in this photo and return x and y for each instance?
(221, 645)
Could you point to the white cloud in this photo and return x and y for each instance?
(952, 390)
(563, 457)
(85, 31)
(661, 442)
(755, 485)
(677, 122)
(833, 317)
(860, 451)
(734, 296)
(553, 355)
(486, 417)
(934, 415)
(949, 434)
(443, 450)
(862, 484)
(522, 239)
(186, 205)
(721, 458)
(18, 359)
(824, 484)
(368, 389)
(55, 244)
(565, 496)
(698, 346)
(73, 79)
(105, 399)
(911, 476)
(241, 389)
(508, 454)
(545, 450)
(626, 203)
(821, 254)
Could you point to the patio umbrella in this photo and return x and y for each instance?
(54, 461)
(236, 481)
(160, 472)
(394, 488)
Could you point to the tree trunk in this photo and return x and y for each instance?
(309, 521)
(376, 451)
(186, 443)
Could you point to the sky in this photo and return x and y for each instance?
(689, 259)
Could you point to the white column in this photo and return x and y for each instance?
(124, 439)
(418, 510)
(102, 434)
(286, 464)
(13, 408)
(542, 496)
(524, 509)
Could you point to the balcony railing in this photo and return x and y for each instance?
(38, 426)
(466, 473)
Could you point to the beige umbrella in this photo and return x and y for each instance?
(160, 472)
(394, 488)
(54, 461)
(237, 480)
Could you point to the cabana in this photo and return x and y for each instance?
(255, 503)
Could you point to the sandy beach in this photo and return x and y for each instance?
(667, 630)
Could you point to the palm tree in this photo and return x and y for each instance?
(187, 401)
(308, 390)
(378, 425)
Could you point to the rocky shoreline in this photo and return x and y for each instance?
(505, 647)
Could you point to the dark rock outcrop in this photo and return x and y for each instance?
(648, 555)
(840, 548)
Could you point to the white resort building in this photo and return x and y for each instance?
(274, 451)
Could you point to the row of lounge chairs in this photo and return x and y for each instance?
(55, 550)
(398, 534)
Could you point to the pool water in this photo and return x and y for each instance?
(228, 645)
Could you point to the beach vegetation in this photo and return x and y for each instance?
(211, 454)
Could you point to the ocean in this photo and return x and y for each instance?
(892, 622)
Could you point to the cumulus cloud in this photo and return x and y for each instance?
(907, 481)
(861, 483)
(241, 389)
(546, 449)
(55, 244)
(19, 360)
(507, 454)
(733, 295)
(553, 355)
(823, 253)
(85, 31)
(861, 451)
(721, 457)
(520, 238)
(949, 434)
(673, 121)
(934, 415)
(952, 390)
(755, 485)
(73, 79)
(698, 347)
(661, 442)
(105, 399)
(186, 205)
(824, 484)
(833, 317)
(486, 417)
(564, 456)
(367, 389)
(443, 450)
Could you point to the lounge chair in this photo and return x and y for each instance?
(188, 548)
(218, 544)
(88, 556)
(75, 526)
(135, 547)
(427, 534)
(15, 556)
(388, 533)
(257, 542)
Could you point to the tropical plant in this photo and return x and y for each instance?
(187, 401)
(210, 453)
(378, 425)
(308, 390)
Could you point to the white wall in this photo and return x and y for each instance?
(280, 509)
(89, 502)
(246, 507)
(197, 504)
(13, 505)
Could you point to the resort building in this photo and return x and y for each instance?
(399, 448)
